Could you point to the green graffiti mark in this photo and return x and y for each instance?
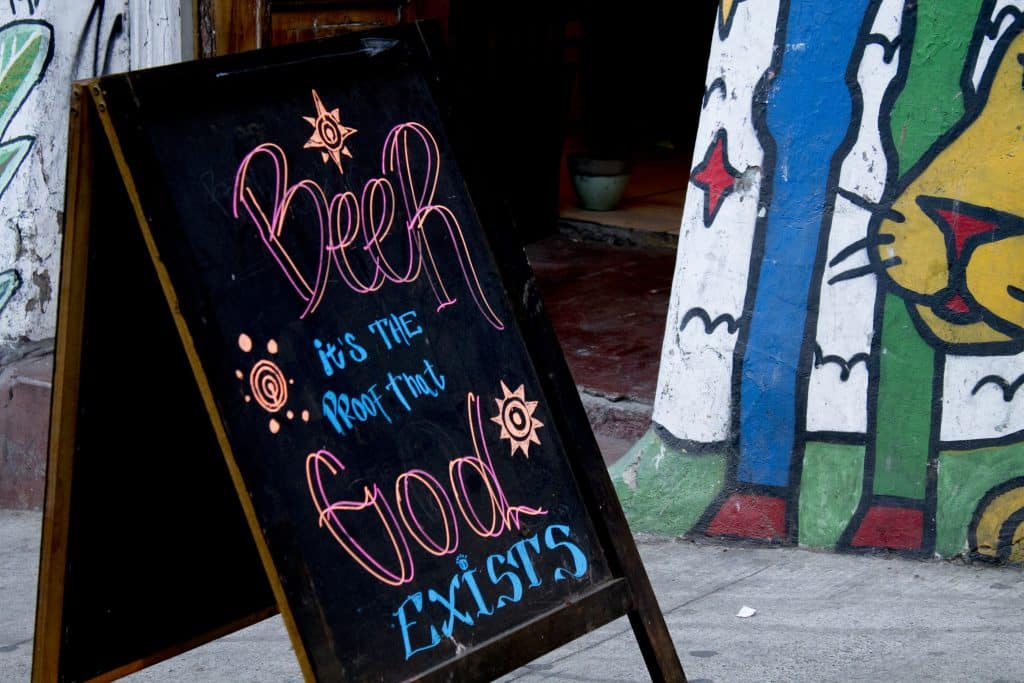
(830, 488)
(903, 431)
(10, 282)
(931, 101)
(664, 490)
(26, 48)
(929, 104)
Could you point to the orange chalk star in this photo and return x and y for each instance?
(329, 134)
(515, 417)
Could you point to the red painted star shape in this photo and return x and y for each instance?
(716, 176)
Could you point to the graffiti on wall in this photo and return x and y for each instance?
(842, 363)
(30, 5)
(10, 283)
(98, 41)
(26, 48)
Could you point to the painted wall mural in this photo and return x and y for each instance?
(26, 48)
(44, 46)
(843, 355)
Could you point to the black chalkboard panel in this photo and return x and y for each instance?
(153, 539)
(409, 459)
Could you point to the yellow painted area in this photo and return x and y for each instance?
(992, 268)
(983, 167)
(727, 8)
(1017, 552)
(992, 519)
(952, 333)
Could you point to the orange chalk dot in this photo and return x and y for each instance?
(305, 416)
(290, 415)
(248, 398)
(239, 374)
(245, 342)
(275, 426)
(272, 346)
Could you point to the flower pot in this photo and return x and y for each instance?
(599, 183)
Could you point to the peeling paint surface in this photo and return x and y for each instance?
(86, 39)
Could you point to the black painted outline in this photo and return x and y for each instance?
(688, 446)
(894, 186)
(810, 342)
(724, 24)
(1008, 388)
(710, 213)
(730, 322)
(974, 102)
(997, 21)
(1003, 551)
(716, 85)
(968, 446)
(33, 5)
(1007, 225)
(759, 120)
(95, 16)
(889, 47)
(846, 365)
(836, 438)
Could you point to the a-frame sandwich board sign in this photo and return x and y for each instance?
(298, 367)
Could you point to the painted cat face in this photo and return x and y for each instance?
(953, 244)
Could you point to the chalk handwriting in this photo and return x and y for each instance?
(406, 387)
(344, 411)
(333, 355)
(349, 229)
(396, 329)
(465, 601)
(487, 518)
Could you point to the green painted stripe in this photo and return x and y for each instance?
(930, 102)
(830, 487)
(903, 427)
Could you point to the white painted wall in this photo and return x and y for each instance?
(89, 37)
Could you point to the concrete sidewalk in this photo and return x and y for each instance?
(820, 617)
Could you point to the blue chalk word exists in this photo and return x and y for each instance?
(476, 593)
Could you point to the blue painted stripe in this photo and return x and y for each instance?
(808, 115)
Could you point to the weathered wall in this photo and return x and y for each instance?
(44, 45)
(842, 361)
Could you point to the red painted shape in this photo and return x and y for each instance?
(957, 304)
(963, 227)
(714, 176)
(890, 527)
(750, 516)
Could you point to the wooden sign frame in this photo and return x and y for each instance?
(111, 183)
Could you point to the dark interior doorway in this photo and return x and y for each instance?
(531, 83)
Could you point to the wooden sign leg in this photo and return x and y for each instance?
(590, 471)
(64, 403)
